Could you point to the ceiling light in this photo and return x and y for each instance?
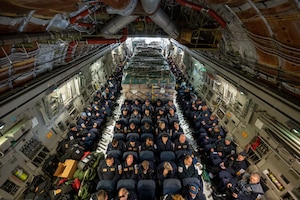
(2, 124)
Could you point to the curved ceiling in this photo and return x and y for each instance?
(260, 37)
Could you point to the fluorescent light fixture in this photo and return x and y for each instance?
(2, 125)
(295, 131)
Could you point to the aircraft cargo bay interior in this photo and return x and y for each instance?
(158, 99)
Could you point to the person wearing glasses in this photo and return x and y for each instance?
(124, 194)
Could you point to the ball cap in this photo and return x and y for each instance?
(243, 153)
(194, 188)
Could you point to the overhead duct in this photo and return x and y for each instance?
(199, 8)
(117, 23)
(124, 18)
(164, 22)
(150, 6)
(108, 41)
(116, 9)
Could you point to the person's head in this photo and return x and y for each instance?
(124, 111)
(212, 116)
(171, 111)
(136, 111)
(176, 124)
(228, 140)
(118, 124)
(109, 160)
(83, 115)
(147, 112)
(158, 102)
(182, 138)
(254, 178)
(123, 194)
(164, 138)
(146, 125)
(162, 125)
(132, 125)
(136, 101)
(198, 100)
(129, 159)
(217, 129)
(168, 166)
(193, 190)
(89, 108)
(242, 156)
(188, 160)
(114, 142)
(73, 127)
(145, 164)
(161, 111)
(149, 141)
(147, 102)
(102, 195)
(132, 140)
(204, 107)
(170, 102)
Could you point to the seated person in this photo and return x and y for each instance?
(158, 105)
(147, 116)
(169, 105)
(149, 145)
(182, 146)
(136, 105)
(133, 128)
(146, 171)
(129, 168)
(164, 144)
(175, 131)
(73, 133)
(126, 105)
(109, 170)
(147, 105)
(232, 168)
(136, 115)
(102, 195)
(166, 170)
(172, 117)
(119, 127)
(125, 116)
(186, 168)
(249, 189)
(147, 128)
(84, 123)
(193, 192)
(132, 145)
(202, 116)
(161, 129)
(116, 145)
(222, 149)
(88, 140)
(124, 194)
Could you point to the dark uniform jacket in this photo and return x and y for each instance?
(108, 173)
(129, 172)
(146, 174)
(134, 148)
(164, 147)
(184, 172)
(247, 191)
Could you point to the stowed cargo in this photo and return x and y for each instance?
(147, 75)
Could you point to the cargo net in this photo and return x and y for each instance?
(147, 75)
